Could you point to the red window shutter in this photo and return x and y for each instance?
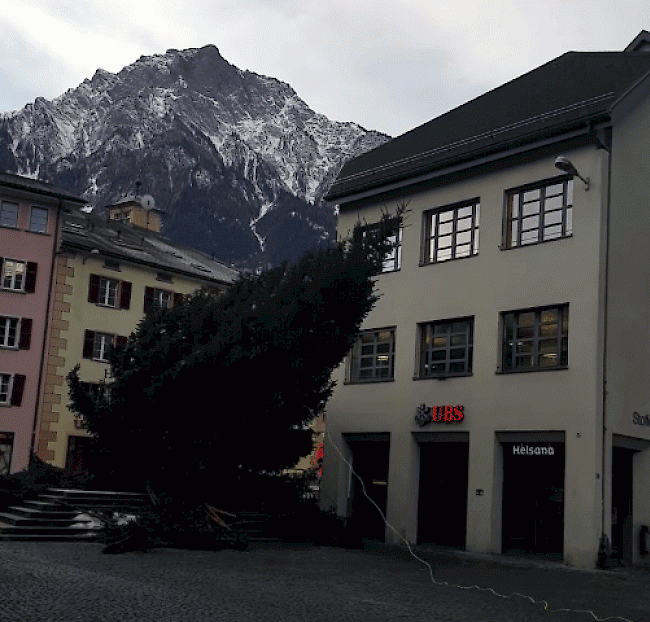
(89, 339)
(17, 390)
(120, 341)
(30, 277)
(148, 299)
(125, 295)
(178, 298)
(93, 288)
(25, 334)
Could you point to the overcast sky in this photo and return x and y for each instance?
(388, 65)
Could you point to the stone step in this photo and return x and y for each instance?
(52, 512)
(13, 518)
(42, 531)
(48, 537)
(42, 505)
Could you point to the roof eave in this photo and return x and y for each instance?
(466, 161)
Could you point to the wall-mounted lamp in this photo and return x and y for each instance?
(567, 166)
(95, 251)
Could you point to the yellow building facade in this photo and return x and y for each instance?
(107, 273)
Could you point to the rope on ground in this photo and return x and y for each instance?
(461, 587)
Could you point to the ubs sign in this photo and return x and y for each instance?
(439, 414)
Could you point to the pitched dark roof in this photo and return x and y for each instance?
(35, 186)
(568, 92)
(87, 233)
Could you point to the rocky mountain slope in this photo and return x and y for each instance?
(238, 161)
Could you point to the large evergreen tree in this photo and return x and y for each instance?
(220, 386)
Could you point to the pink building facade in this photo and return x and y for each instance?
(30, 226)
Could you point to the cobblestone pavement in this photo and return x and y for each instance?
(66, 582)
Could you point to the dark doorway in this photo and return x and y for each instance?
(442, 506)
(533, 499)
(76, 460)
(370, 463)
(622, 524)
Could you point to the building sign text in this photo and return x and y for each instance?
(529, 450)
(640, 419)
(439, 414)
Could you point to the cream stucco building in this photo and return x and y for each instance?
(108, 270)
(497, 399)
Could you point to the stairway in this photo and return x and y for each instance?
(61, 514)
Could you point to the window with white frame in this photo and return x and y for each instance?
(108, 292)
(101, 344)
(393, 259)
(451, 232)
(9, 331)
(155, 298)
(446, 348)
(535, 339)
(13, 274)
(12, 387)
(5, 388)
(38, 220)
(8, 214)
(373, 356)
(538, 213)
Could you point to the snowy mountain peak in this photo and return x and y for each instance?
(239, 161)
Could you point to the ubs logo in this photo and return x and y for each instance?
(439, 414)
(640, 419)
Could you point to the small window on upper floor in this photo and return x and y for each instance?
(446, 348)
(535, 339)
(372, 358)
(538, 213)
(18, 276)
(107, 292)
(38, 220)
(393, 259)
(8, 214)
(15, 332)
(451, 232)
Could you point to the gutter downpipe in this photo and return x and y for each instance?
(46, 341)
(605, 543)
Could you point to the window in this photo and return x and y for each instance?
(97, 390)
(373, 355)
(11, 389)
(8, 214)
(446, 348)
(109, 292)
(539, 213)
(160, 298)
(97, 345)
(535, 338)
(451, 232)
(9, 331)
(393, 259)
(15, 332)
(18, 276)
(101, 343)
(38, 220)
(6, 450)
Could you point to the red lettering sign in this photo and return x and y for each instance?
(439, 414)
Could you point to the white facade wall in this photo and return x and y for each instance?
(569, 400)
